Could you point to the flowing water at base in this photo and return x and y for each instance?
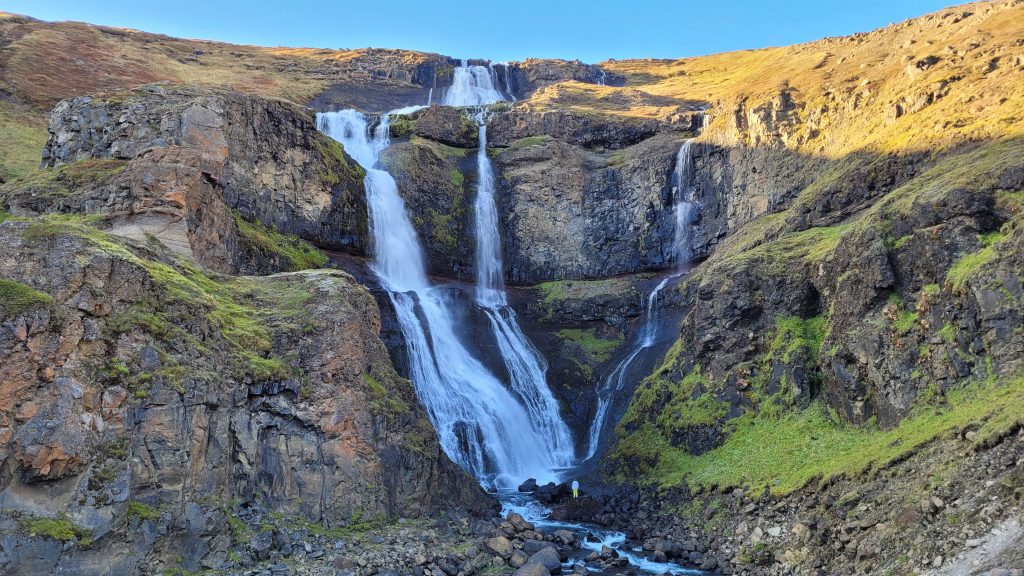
(537, 514)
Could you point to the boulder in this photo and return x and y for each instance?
(500, 546)
(529, 569)
(548, 558)
(518, 522)
(529, 486)
(518, 559)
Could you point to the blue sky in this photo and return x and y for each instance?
(508, 30)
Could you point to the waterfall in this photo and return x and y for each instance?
(472, 86)
(508, 83)
(684, 211)
(685, 204)
(602, 78)
(615, 381)
(526, 367)
(481, 424)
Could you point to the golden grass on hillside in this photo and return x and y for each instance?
(46, 62)
(22, 136)
(586, 98)
(962, 67)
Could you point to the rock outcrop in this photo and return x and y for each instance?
(142, 395)
(568, 212)
(213, 174)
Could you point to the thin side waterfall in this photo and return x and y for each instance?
(508, 83)
(684, 210)
(482, 426)
(685, 204)
(526, 367)
(615, 381)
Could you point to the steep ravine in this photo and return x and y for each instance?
(833, 386)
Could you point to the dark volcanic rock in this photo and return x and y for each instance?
(203, 158)
(571, 213)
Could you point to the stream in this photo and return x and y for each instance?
(592, 538)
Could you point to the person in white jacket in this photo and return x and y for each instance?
(575, 488)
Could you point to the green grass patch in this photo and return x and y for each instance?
(530, 141)
(556, 290)
(142, 511)
(296, 252)
(948, 333)
(381, 400)
(22, 137)
(788, 452)
(240, 308)
(456, 177)
(336, 165)
(793, 333)
(666, 407)
(60, 529)
(66, 179)
(594, 348)
(440, 150)
(17, 298)
(809, 246)
(970, 265)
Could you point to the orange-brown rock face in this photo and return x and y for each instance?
(149, 380)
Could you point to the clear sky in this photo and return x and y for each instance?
(508, 30)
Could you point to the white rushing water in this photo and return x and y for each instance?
(684, 211)
(482, 426)
(537, 514)
(472, 86)
(526, 367)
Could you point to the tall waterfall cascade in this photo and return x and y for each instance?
(526, 367)
(684, 210)
(500, 433)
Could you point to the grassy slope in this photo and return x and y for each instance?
(42, 63)
(786, 452)
(977, 56)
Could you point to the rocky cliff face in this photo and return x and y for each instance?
(569, 212)
(883, 283)
(142, 395)
(215, 175)
(594, 200)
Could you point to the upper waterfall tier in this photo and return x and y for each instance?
(472, 86)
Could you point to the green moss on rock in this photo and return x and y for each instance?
(17, 298)
(60, 529)
(787, 452)
(142, 511)
(594, 348)
(971, 265)
(296, 252)
(66, 179)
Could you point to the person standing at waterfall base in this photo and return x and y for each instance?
(575, 488)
